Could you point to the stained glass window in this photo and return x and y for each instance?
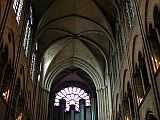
(72, 95)
(17, 7)
(129, 12)
(33, 63)
(27, 36)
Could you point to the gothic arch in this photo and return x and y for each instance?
(151, 8)
(137, 80)
(154, 45)
(134, 50)
(78, 63)
(20, 110)
(156, 15)
(150, 115)
(7, 63)
(7, 80)
(143, 69)
(10, 42)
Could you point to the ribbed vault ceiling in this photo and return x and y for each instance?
(74, 29)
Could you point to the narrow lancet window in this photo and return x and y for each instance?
(33, 63)
(129, 12)
(27, 36)
(17, 7)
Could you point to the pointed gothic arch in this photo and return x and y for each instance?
(143, 71)
(154, 48)
(150, 116)
(138, 84)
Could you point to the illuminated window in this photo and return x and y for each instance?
(155, 63)
(139, 99)
(17, 7)
(6, 95)
(129, 12)
(27, 36)
(72, 95)
(33, 63)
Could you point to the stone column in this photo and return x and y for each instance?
(62, 109)
(72, 109)
(43, 105)
(93, 108)
(99, 105)
(46, 104)
(82, 109)
(102, 104)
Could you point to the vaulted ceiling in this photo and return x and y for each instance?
(74, 30)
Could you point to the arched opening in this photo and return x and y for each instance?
(143, 71)
(151, 116)
(156, 16)
(126, 108)
(72, 96)
(138, 84)
(131, 104)
(7, 82)
(154, 47)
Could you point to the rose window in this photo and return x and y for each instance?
(72, 95)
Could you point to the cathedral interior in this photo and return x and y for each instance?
(79, 60)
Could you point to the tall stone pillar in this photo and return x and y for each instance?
(51, 109)
(72, 109)
(82, 109)
(99, 105)
(46, 95)
(62, 109)
(43, 109)
(93, 108)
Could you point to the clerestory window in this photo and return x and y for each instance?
(27, 36)
(129, 12)
(33, 63)
(17, 7)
